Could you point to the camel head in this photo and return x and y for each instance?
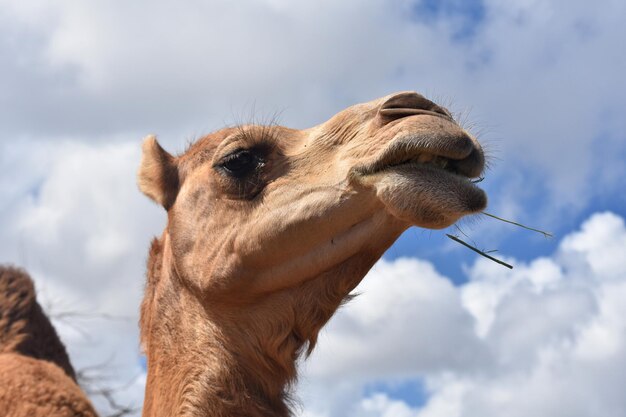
(250, 208)
(270, 228)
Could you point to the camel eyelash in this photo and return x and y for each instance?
(241, 163)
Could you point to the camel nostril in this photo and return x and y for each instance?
(409, 103)
(408, 100)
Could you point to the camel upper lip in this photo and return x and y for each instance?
(459, 155)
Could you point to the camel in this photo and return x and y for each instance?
(269, 229)
(36, 377)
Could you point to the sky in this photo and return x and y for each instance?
(436, 331)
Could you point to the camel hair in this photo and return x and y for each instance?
(36, 377)
(268, 231)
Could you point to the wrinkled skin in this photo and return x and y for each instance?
(270, 228)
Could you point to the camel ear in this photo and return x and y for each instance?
(158, 173)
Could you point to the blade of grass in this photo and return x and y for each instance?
(478, 251)
(546, 234)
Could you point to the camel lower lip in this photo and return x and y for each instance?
(464, 186)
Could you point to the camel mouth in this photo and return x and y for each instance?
(458, 155)
(426, 179)
(425, 159)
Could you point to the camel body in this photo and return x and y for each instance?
(36, 377)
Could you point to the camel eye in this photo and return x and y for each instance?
(241, 163)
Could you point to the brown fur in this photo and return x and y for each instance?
(36, 377)
(249, 268)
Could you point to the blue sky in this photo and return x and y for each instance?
(468, 15)
(467, 18)
(539, 82)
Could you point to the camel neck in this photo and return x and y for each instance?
(205, 361)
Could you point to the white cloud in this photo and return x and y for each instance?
(81, 219)
(550, 332)
(81, 83)
(72, 216)
(402, 300)
(545, 339)
(197, 65)
(379, 405)
(543, 76)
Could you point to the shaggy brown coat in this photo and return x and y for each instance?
(36, 377)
